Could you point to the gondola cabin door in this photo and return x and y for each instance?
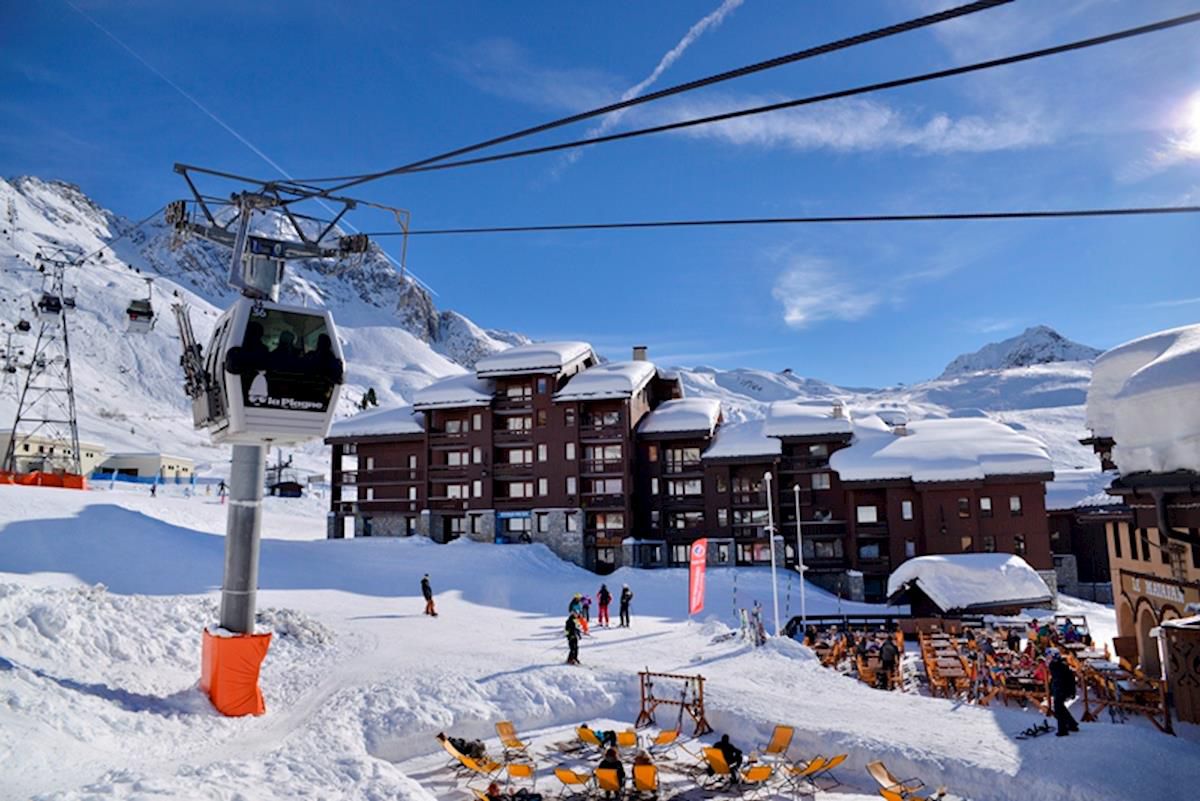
(277, 373)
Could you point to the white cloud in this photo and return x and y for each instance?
(811, 290)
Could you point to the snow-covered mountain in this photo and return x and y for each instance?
(129, 387)
(1037, 345)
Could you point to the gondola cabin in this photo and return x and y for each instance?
(139, 317)
(274, 373)
(48, 307)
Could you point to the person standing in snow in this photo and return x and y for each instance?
(604, 597)
(427, 592)
(587, 608)
(154, 490)
(572, 632)
(888, 654)
(626, 598)
(1062, 688)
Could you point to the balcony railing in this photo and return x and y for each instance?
(382, 475)
(514, 435)
(602, 431)
(602, 500)
(506, 469)
(505, 403)
(689, 466)
(602, 466)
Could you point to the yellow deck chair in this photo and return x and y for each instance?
(484, 767)
(645, 780)
(627, 739)
(456, 757)
(754, 780)
(825, 773)
(588, 737)
(801, 773)
(573, 784)
(522, 771)
(887, 781)
(607, 781)
(663, 742)
(781, 741)
(718, 769)
(509, 740)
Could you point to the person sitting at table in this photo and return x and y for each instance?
(1013, 640)
(986, 647)
(1070, 633)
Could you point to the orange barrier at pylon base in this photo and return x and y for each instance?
(229, 672)
(40, 479)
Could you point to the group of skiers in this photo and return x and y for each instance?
(579, 616)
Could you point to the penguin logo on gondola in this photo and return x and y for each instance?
(258, 389)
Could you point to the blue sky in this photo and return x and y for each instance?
(324, 88)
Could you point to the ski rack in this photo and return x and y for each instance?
(693, 706)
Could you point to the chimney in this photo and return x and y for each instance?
(639, 353)
(839, 410)
(900, 429)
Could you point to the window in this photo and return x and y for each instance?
(520, 489)
(822, 549)
(412, 493)
(476, 523)
(746, 490)
(985, 507)
(1116, 537)
(519, 456)
(1014, 505)
(964, 507)
(722, 484)
(722, 552)
(654, 486)
(601, 457)
(569, 417)
(410, 526)
(1145, 539)
(910, 548)
(870, 551)
(456, 426)
(749, 517)
(518, 525)
(543, 486)
(722, 517)
(570, 485)
(458, 526)
(1019, 544)
(456, 491)
(606, 556)
(1162, 549)
(456, 458)
(477, 421)
(820, 481)
(370, 462)
(604, 486)
(906, 510)
(541, 386)
(1133, 552)
(680, 459)
(412, 461)
(572, 521)
(820, 449)
(370, 493)
(542, 452)
(684, 487)
(570, 451)
(1195, 550)
(518, 422)
(541, 418)
(606, 521)
(685, 520)
(543, 522)
(477, 455)
(867, 514)
(602, 419)
(680, 554)
(654, 518)
(967, 542)
(519, 392)
(989, 543)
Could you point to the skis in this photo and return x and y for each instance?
(1035, 731)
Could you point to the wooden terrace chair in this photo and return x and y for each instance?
(781, 741)
(902, 788)
(645, 781)
(574, 785)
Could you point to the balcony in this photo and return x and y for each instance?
(382, 475)
(505, 403)
(602, 432)
(602, 466)
(603, 501)
(677, 468)
(879, 529)
(448, 504)
(513, 437)
(446, 437)
(512, 469)
(603, 538)
(445, 470)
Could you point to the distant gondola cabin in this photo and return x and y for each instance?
(275, 372)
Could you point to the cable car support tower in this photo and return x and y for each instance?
(46, 400)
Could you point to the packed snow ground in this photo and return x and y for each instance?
(98, 685)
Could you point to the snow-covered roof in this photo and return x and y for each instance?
(457, 390)
(741, 440)
(1079, 487)
(536, 357)
(380, 422)
(612, 380)
(796, 419)
(938, 450)
(964, 580)
(683, 415)
(1144, 395)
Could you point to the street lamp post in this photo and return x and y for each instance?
(800, 559)
(771, 544)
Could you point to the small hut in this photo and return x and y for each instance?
(968, 583)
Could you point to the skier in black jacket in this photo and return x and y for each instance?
(626, 597)
(572, 632)
(888, 653)
(1062, 688)
(427, 591)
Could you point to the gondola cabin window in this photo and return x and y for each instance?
(286, 361)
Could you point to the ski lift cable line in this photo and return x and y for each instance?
(814, 220)
(750, 69)
(864, 89)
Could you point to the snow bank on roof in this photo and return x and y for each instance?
(683, 415)
(1071, 489)
(1144, 394)
(938, 450)
(457, 390)
(964, 580)
(536, 357)
(736, 440)
(796, 419)
(380, 422)
(612, 380)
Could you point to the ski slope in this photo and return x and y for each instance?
(98, 683)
